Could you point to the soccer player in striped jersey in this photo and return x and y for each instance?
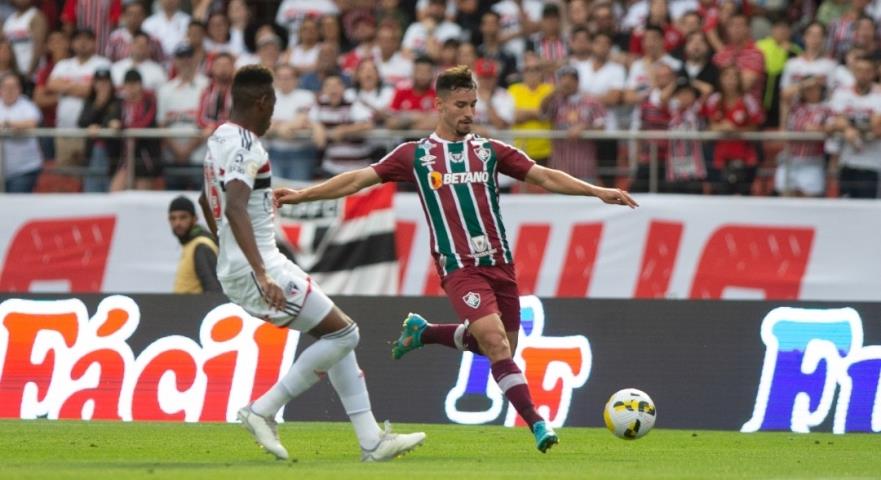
(456, 174)
(237, 203)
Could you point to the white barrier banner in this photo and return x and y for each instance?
(672, 246)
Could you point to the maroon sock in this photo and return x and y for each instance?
(512, 382)
(441, 334)
(445, 334)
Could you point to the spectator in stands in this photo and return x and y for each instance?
(574, 112)
(152, 73)
(338, 129)
(331, 33)
(139, 111)
(389, 13)
(467, 55)
(102, 109)
(97, 16)
(448, 54)
(518, 20)
(493, 48)
(865, 36)
(495, 106)
(291, 158)
(269, 48)
(731, 110)
(605, 81)
(468, 16)
(428, 35)
(8, 62)
(304, 55)
(197, 268)
(701, 73)
(653, 113)
(812, 62)
(119, 43)
(219, 38)
(169, 25)
(857, 118)
(642, 70)
(578, 14)
(394, 66)
(239, 17)
(777, 48)
(27, 30)
(216, 100)
(659, 16)
(528, 97)
(413, 106)
(369, 90)
(22, 159)
(802, 171)
(548, 42)
(71, 79)
(741, 52)
(602, 19)
(195, 37)
(363, 36)
(842, 29)
(686, 168)
(57, 49)
(327, 65)
(177, 107)
(291, 14)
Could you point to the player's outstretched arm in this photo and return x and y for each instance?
(341, 185)
(236, 210)
(561, 182)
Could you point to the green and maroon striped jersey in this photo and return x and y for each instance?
(458, 188)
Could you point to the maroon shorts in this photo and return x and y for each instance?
(476, 292)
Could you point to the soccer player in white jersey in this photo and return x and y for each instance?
(237, 202)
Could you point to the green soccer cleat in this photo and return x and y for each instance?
(411, 336)
(545, 437)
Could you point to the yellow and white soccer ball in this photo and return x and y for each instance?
(630, 414)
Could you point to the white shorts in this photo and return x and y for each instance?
(806, 175)
(306, 305)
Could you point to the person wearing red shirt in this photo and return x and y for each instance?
(139, 111)
(741, 52)
(658, 15)
(413, 106)
(730, 110)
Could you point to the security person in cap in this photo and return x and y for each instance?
(196, 271)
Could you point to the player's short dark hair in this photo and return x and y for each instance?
(455, 78)
(249, 84)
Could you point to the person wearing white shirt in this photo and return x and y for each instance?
(169, 25)
(427, 36)
(518, 19)
(812, 62)
(292, 12)
(293, 159)
(152, 74)
(393, 66)
(304, 54)
(22, 158)
(71, 79)
(177, 108)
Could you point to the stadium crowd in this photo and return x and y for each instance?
(346, 67)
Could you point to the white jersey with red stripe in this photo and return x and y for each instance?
(235, 153)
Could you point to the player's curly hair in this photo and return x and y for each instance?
(250, 83)
(453, 79)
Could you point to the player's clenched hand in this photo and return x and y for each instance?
(281, 196)
(272, 293)
(616, 196)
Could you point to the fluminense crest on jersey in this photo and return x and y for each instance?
(472, 299)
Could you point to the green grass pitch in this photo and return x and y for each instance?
(43, 449)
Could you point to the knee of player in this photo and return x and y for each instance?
(494, 342)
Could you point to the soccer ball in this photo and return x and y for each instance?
(630, 414)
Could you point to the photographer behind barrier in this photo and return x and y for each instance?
(196, 271)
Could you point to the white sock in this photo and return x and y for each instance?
(317, 359)
(348, 381)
